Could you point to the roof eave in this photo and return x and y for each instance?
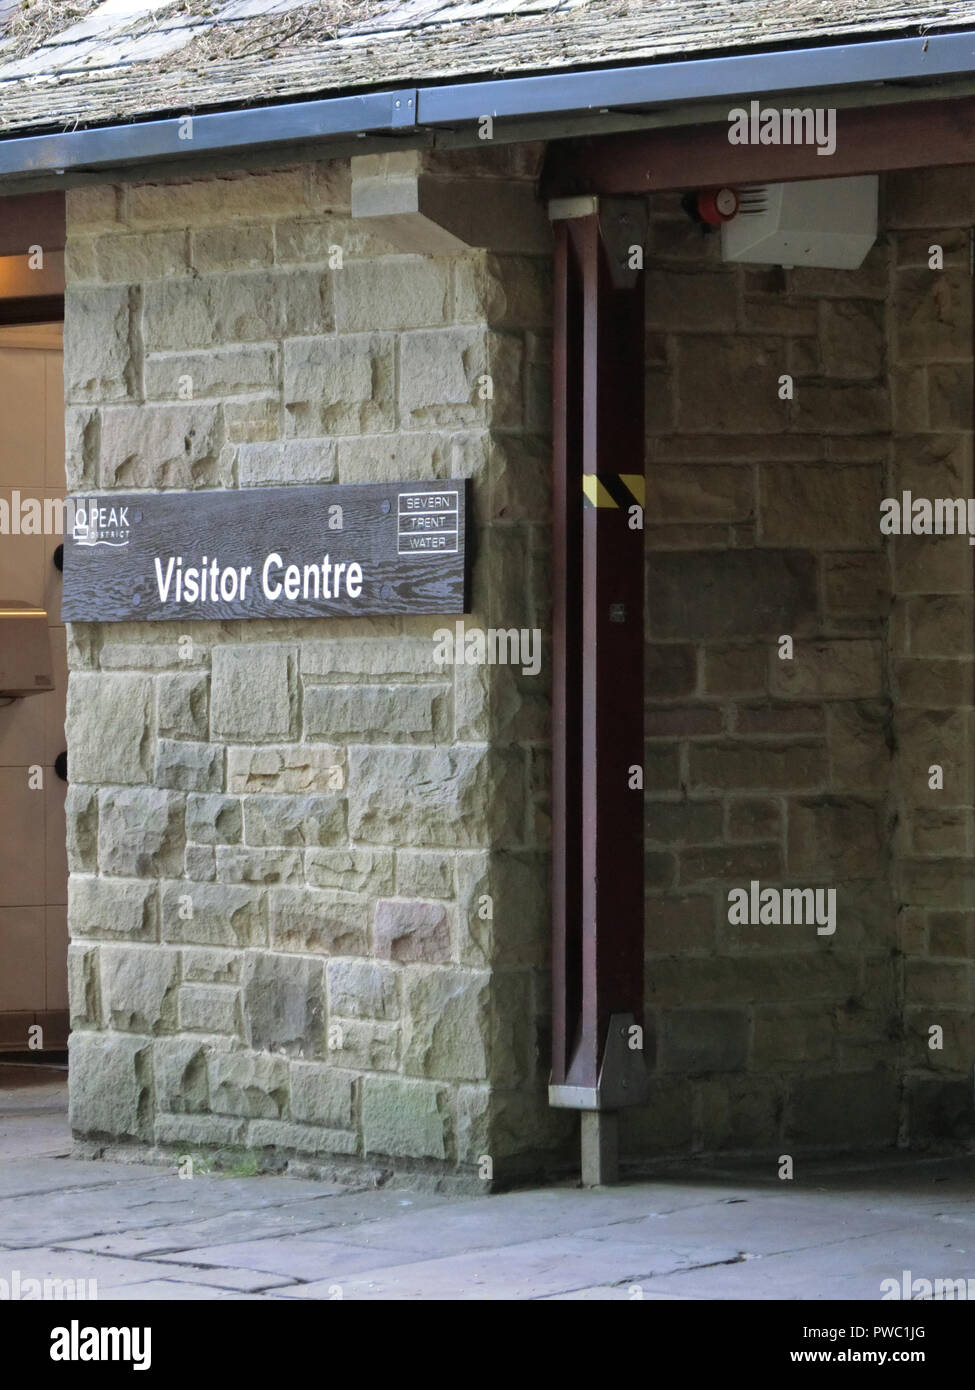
(529, 100)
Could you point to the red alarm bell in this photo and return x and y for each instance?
(717, 205)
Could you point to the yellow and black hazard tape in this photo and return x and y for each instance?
(613, 489)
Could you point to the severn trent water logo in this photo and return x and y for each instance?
(97, 523)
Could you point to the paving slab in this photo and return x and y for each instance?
(531, 1269)
(107, 1271)
(758, 1225)
(338, 1213)
(306, 1260)
(852, 1269)
(168, 1291)
(25, 1177)
(690, 1232)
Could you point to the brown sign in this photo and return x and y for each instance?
(346, 551)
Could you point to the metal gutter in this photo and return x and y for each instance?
(655, 85)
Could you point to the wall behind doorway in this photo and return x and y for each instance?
(33, 862)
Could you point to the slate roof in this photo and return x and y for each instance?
(71, 63)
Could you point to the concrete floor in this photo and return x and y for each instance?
(144, 1233)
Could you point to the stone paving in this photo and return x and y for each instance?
(144, 1233)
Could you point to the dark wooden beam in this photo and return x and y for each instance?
(43, 308)
(597, 706)
(868, 141)
(32, 219)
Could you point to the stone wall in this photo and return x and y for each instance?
(763, 522)
(308, 895)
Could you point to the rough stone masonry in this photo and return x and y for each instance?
(308, 896)
(308, 862)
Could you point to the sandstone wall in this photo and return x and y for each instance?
(308, 895)
(763, 518)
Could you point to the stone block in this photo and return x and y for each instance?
(460, 797)
(176, 446)
(383, 658)
(408, 931)
(683, 822)
(446, 1019)
(707, 492)
(286, 769)
(189, 767)
(248, 1086)
(734, 863)
(180, 1069)
(279, 1137)
(251, 691)
(679, 925)
(187, 202)
(202, 1131)
(100, 360)
(140, 832)
(283, 1004)
(729, 384)
(319, 923)
(343, 385)
(859, 744)
(858, 1108)
(83, 986)
(351, 870)
(381, 713)
(392, 293)
(853, 338)
(108, 907)
(284, 461)
(856, 585)
(92, 208)
(717, 595)
(735, 669)
(294, 820)
(134, 257)
(223, 371)
(850, 670)
(209, 1009)
(424, 874)
(231, 246)
(235, 864)
(699, 1041)
(838, 839)
(210, 965)
(213, 914)
(940, 625)
(138, 987)
(791, 766)
(821, 506)
(362, 989)
(932, 314)
(110, 1085)
(322, 1095)
(367, 1045)
(182, 705)
(108, 726)
(214, 819)
(248, 307)
(81, 817)
(406, 1118)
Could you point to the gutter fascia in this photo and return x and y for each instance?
(402, 112)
